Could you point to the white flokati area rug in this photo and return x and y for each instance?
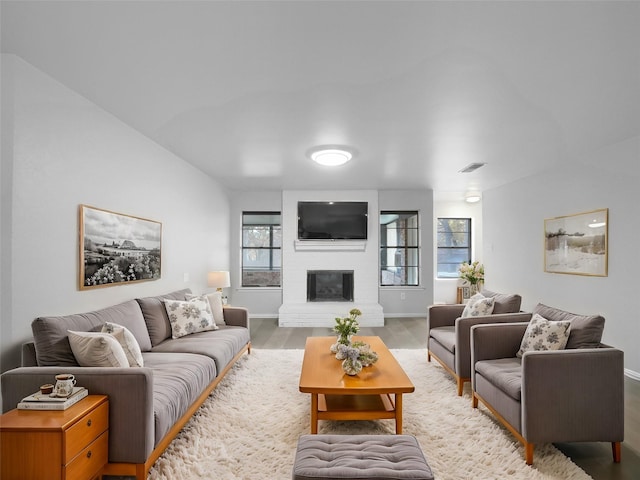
(249, 427)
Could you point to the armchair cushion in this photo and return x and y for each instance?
(586, 330)
(504, 373)
(446, 336)
(478, 306)
(543, 334)
(503, 302)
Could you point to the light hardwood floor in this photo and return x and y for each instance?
(593, 458)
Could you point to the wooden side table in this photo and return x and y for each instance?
(66, 444)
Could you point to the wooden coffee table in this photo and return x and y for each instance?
(375, 393)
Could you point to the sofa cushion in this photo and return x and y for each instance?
(478, 306)
(586, 330)
(50, 333)
(220, 345)
(97, 349)
(504, 373)
(128, 342)
(190, 316)
(445, 336)
(215, 302)
(178, 380)
(155, 315)
(504, 303)
(543, 334)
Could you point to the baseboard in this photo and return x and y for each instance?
(632, 375)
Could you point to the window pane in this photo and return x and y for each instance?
(399, 276)
(399, 248)
(454, 245)
(261, 249)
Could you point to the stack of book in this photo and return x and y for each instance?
(41, 401)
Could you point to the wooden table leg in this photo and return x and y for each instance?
(398, 413)
(314, 413)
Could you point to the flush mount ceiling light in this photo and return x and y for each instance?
(331, 156)
(472, 197)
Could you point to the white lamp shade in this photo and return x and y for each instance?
(218, 279)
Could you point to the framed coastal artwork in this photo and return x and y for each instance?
(577, 244)
(116, 248)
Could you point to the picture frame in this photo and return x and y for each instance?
(577, 244)
(116, 248)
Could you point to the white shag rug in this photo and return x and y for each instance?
(249, 427)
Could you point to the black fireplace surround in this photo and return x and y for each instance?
(330, 285)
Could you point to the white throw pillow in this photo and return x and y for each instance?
(97, 349)
(128, 342)
(189, 317)
(478, 306)
(215, 302)
(543, 334)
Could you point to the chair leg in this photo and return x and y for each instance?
(474, 400)
(528, 453)
(617, 453)
(428, 356)
(460, 383)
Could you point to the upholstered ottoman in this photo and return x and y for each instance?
(343, 457)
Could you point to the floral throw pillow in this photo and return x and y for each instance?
(478, 305)
(543, 334)
(189, 317)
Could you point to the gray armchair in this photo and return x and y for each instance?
(448, 335)
(570, 395)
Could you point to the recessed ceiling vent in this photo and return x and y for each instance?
(472, 167)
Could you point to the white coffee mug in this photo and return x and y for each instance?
(64, 384)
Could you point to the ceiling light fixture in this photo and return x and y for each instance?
(330, 156)
(472, 197)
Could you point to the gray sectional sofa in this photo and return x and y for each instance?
(149, 405)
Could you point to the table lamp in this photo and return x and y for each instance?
(218, 280)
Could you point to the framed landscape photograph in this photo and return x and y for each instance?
(577, 244)
(117, 248)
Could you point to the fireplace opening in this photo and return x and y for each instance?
(330, 285)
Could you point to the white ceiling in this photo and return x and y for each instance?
(243, 90)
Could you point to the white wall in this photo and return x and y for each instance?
(411, 301)
(61, 151)
(445, 289)
(261, 301)
(513, 241)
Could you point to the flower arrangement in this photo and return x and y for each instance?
(472, 273)
(355, 357)
(347, 326)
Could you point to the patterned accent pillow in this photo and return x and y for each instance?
(215, 302)
(543, 334)
(95, 349)
(478, 305)
(128, 342)
(189, 317)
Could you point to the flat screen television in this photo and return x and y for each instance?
(332, 220)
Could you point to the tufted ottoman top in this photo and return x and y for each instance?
(387, 457)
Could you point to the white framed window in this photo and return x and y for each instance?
(261, 249)
(399, 248)
(454, 245)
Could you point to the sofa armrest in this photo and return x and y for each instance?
(443, 315)
(463, 336)
(236, 316)
(130, 392)
(573, 395)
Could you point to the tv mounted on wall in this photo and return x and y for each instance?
(332, 220)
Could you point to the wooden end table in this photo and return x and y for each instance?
(66, 444)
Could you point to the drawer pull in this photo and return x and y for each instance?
(89, 454)
(89, 423)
